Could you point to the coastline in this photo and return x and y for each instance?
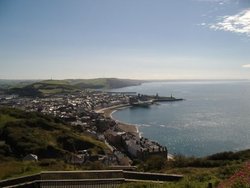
(121, 125)
(130, 128)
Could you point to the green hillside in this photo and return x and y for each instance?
(105, 83)
(6, 84)
(49, 138)
(23, 133)
(48, 87)
(217, 169)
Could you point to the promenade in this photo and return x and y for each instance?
(121, 125)
(129, 128)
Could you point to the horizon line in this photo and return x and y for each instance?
(167, 79)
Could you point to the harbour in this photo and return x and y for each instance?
(212, 118)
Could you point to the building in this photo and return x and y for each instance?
(31, 157)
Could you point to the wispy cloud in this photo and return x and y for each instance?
(221, 2)
(246, 66)
(238, 23)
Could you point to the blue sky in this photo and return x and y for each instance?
(141, 39)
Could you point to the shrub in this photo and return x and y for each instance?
(154, 163)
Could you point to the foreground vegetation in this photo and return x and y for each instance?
(225, 170)
(182, 184)
(22, 133)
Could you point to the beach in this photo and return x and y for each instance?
(133, 129)
(107, 112)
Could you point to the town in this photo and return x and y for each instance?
(83, 110)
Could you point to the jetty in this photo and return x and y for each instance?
(167, 99)
(146, 100)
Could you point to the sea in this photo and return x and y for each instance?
(213, 117)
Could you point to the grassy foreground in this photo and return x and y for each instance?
(198, 173)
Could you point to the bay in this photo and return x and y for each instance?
(214, 117)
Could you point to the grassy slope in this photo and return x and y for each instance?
(22, 133)
(217, 169)
(47, 87)
(44, 88)
(104, 83)
(5, 84)
(198, 172)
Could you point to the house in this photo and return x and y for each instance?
(114, 138)
(76, 159)
(30, 157)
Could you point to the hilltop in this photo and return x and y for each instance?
(104, 83)
(47, 87)
(42, 88)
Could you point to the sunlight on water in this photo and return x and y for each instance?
(214, 117)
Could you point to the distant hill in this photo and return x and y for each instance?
(22, 133)
(47, 87)
(6, 84)
(104, 83)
